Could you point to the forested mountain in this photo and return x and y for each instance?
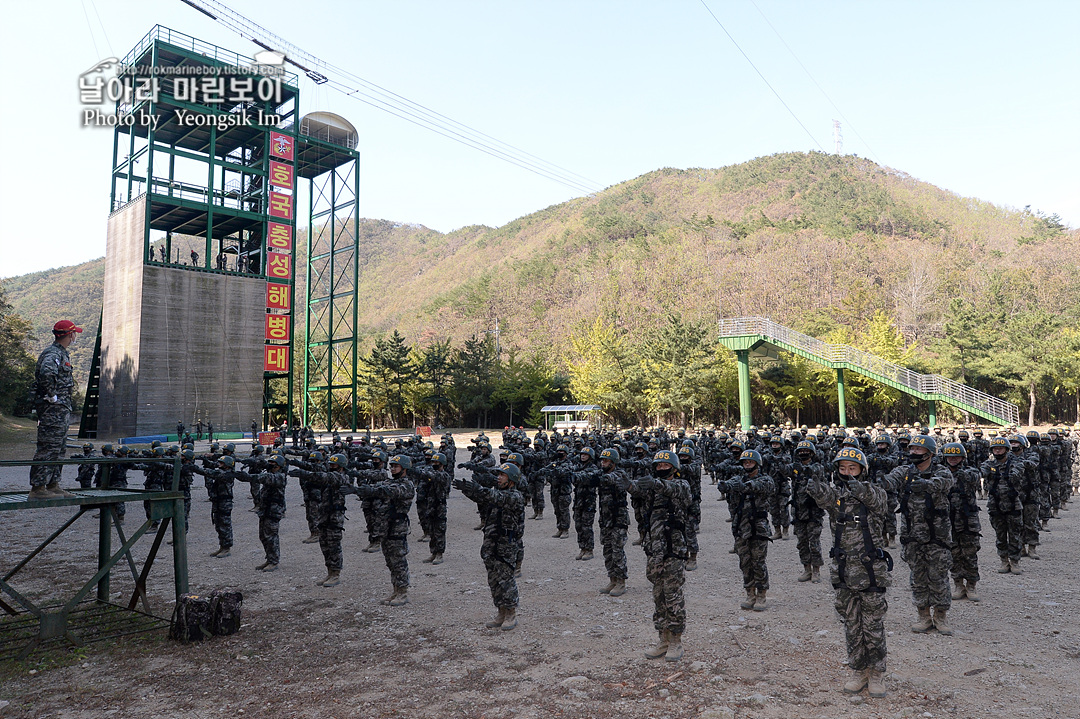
(836, 246)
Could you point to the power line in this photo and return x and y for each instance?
(818, 86)
(97, 53)
(356, 87)
(774, 92)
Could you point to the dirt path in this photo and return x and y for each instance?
(306, 651)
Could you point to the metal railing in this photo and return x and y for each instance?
(206, 49)
(925, 384)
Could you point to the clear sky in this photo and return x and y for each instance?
(977, 97)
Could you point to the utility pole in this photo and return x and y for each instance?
(838, 139)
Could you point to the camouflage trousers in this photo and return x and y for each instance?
(693, 522)
(187, 505)
(613, 539)
(86, 476)
(584, 518)
(1008, 528)
(1055, 490)
(929, 566)
(436, 525)
(965, 556)
(561, 499)
(536, 491)
(808, 535)
(669, 607)
(331, 530)
(1046, 509)
(639, 513)
(312, 495)
(254, 488)
(395, 550)
(863, 617)
(1029, 533)
(890, 517)
(499, 562)
(51, 443)
(778, 508)
(268, 535)
(374, 519)
(221, 515)
(752, 553)
(423, 500)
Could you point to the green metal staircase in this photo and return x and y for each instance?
(763, 337)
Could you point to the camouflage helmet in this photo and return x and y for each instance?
(122, 450)
(379, 456)
(687, 452)
(438, 458)
(339, 460)
(316, 456)
(215, 447)
(402, 460)
(229, 448)
(668, 456)
(588, 451)
(172, 451)
(278, 460)
(158, 451)
(804, 446)
(188, 454)
(512, 472)
(87, 447)
(562, 448)
(516, 458)
(954, 449)
(883, 438)
(926, 442)
(851, 454)
(611, 454)
(999, 442)
(1020, 440)
(227, 461)
(751, 455)
(155, 444)
(259, 449)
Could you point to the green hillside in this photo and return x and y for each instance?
(816, 241)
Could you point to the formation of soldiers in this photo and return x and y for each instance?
(778, 482)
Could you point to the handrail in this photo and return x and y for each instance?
(923, 384)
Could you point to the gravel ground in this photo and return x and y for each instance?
(306, 651)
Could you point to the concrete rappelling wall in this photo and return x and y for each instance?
(176, 344)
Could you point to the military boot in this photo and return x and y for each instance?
(373, 547)
(270, 567)
(691, 564)
(40, 492)
(660, 649)
(760, 603)
(497, 621)
(561, 534)
(875, 684)
(400, 597)
(264, 565)
(1004, 568)
(733, 550)
(312, 539)
(536, 514)
(959, 592)
(751, 597)
(786, 536)
(776, 534)
(425, 537)
(940, 622)
(925, 623)
(1032, 553)
(510, 621)
(517, 569)
(816, 579)
(674, 650)
(1014, 566)
(807, 574)
(609, 587)
(437, 558)
(54, 489)
(429, 560)
(971, 593)
(333, 578)
(619, 589)
(857, 682)
(585, 554)
(637, 542)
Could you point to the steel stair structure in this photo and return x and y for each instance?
(762, 337)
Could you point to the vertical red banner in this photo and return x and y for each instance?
(281, 146)
(277, 328)
(277, 297)
(279, 266)
(275, 358)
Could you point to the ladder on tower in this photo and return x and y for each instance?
(89, 424)
(763, 336)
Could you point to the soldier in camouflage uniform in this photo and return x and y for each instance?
(437, 488)
(882, 461)
(751, 492)
(925, 532)
(806, 514)
(611, 485)
(157, 475)
(777, 464)
(1003, 479)
(666, 499)
(270, 507)
(1033, 493)
(585, 501)
(220, 485)
(117, 475)
(964, 515)
(86, 471)
(333, 483)
(397, 494)
(638, 465)
(372, 507)
(860, 568)
(501, 506)
(690, 469)
(53, 385)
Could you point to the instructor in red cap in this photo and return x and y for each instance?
(53, 384)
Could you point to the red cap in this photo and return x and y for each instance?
(64, 327)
